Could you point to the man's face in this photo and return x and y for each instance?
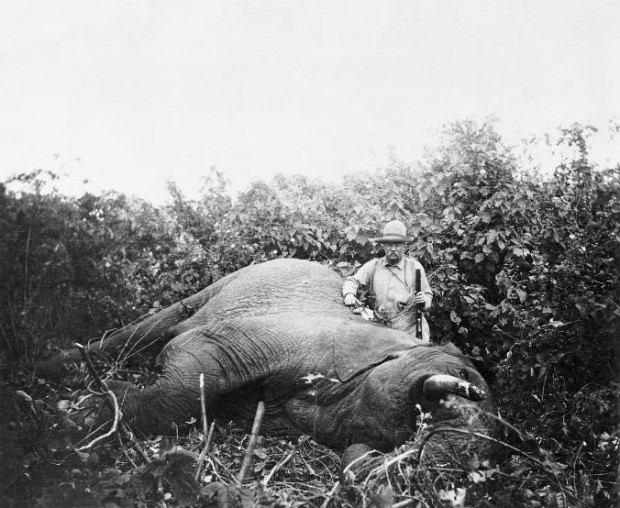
(394, 251)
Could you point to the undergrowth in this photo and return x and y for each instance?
(524, 273)
(528, 467)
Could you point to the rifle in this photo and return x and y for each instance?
(418, 310)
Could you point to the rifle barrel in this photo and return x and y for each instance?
(418, 311)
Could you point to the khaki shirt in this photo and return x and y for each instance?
(392, 284)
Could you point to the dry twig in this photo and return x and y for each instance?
(104, 388)
(247, 460)
(204, 452)
(203, 405)
(117, 417)
(278, 466)
(129, 435)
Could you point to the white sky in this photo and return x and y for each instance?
(131, 93)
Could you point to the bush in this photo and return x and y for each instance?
(523, 269)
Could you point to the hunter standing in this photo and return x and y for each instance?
(392, 280)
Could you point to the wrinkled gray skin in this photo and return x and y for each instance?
(279, 332)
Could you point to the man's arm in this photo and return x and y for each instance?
(352, 283)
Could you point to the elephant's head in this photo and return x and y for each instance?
(425, 389)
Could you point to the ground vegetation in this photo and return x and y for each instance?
(523, 262)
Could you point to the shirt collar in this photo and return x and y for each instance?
(400, 264)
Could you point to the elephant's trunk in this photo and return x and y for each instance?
(440, 385)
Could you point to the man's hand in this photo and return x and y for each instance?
(351, 301)
(420, 299)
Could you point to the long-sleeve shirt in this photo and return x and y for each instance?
(391, 285)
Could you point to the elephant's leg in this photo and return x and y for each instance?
(175, 398)
(154, 410)
(151, 333)
(160, 409)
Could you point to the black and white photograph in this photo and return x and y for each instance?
(309, 253)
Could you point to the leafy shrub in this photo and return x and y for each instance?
(523, 269)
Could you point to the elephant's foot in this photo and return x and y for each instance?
(357, 461)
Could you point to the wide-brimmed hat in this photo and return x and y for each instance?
(393, 231)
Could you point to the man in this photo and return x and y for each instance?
(391, 280)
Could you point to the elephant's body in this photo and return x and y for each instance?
(278, 332)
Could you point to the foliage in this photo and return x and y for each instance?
(523, 265)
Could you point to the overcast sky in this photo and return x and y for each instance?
(131, 93)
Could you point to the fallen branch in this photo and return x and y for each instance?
(117, 417)
(129, 435)
(105, 390)
(406, 502)
(91, 368)
(331, 494)
(203, 405)
(308, 466)
(177, 450)
(385, 465)
(278, 466)
(247, 460)
(204, 452)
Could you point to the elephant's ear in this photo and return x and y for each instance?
(361, 346)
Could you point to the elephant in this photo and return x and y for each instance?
(278, 332)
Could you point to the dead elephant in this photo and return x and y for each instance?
(279, 332)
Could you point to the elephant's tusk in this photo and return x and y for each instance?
(440, 385)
